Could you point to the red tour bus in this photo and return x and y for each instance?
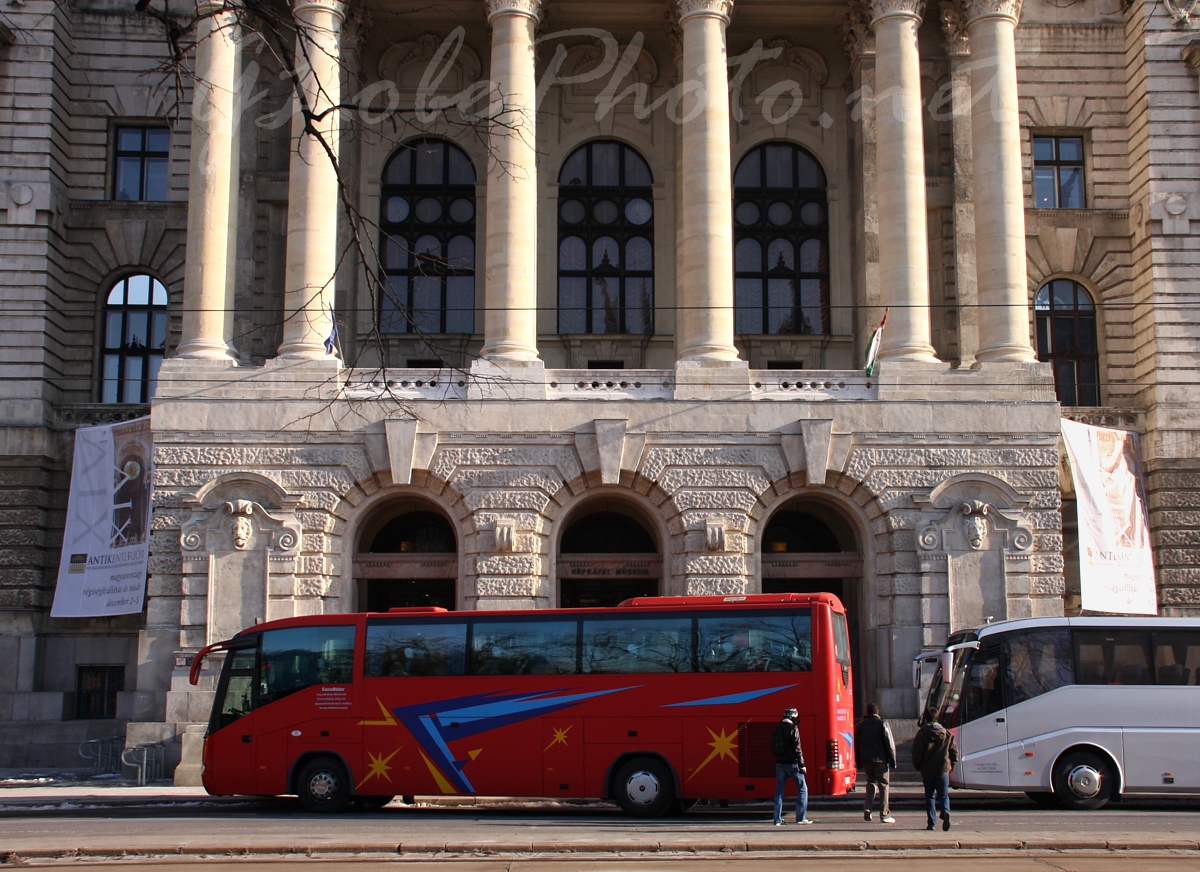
(653, 704)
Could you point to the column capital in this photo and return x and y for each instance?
(722, 9)
(977, 10)
(954, 28)
(213, 7)
(857, 35)
(529, 8)
(881, 9)
(336, 7)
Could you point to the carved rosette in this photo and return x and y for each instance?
(881, 9)
(977, 10)
(529, 8)
(954, 28)
(722, 9)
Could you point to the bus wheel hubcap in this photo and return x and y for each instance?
(642, 787)
(322, 786)
(1084, 781)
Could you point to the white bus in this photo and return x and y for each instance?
(1073, 710)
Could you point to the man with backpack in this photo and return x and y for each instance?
(934, 754)
(789, 766)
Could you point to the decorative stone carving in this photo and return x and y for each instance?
(1183, 16)
(977, 9)
(532, 8)
(857, 35)
(881, 9)
(714, 535)
(722, 8)
(954, 28)
(505, 535)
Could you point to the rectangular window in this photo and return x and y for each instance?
(757, 643)
(621, 646)
(420, 648)
(524, 647)
(140, 163)
(300, 657)
(1038, 662)
(1112, 657)
(96, 689)
(1058, 172)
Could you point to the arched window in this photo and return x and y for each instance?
(605, 241)
(781, 242)
(427, 206)
(1065, 317)
(135, 331)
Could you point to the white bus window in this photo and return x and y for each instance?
(1038, 662)
(982, 693)
(1177, 657)
(1113, 657)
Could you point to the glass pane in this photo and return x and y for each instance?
(156, 179)
(460, 304)
(462, 210)
(638, 211)
(1071, 187)
(755, 643)
(1042, 300)
(158, 140)
(747, 256)
(638, 254)
(461, 253)
(605, 212)
(1070, 149)
(1085, 333)
(572, 211)
(523, 648)
(428, 163)
(810, 174)
(114, 333)
(155, 363)
(1042, 328)
(427, 304)
(1064, 382)
(747, 213)
(1176, 656)
(748, 309)
(399, 168)
(1038, 663)
(812, 292)
(574, 169)
(780, 256)
(606, 305)
(462, 172)
(428, 251)
(779, 165)
(395, 253)
(625, 646)
(1063, 338)
(812, 256)
(428, 210)
(112, 371)
(1113, 657)
(779, 214)
(749, 170)
(1083, 300)
(137, 329)
(1043, 149)
(116, 296)
(158, 293)
(572, 299)
(397, 209)
(395, 302)
(129, 138)
(639, 305)
(1089, 383)
(637, 171)
(138, 290)
(129, 179)
(572, 254)
(158, 331)
(606, 252)
(606, 164)
(420, 648)
(131, 384)
(780, 301)
(812, 214)
(1064, 294)
(1045, 193)
(983, 691)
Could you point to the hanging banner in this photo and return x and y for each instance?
(106, 542)
(1116, 568)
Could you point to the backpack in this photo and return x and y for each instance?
(781, 742)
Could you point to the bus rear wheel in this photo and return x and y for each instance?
(644, 787)
(1083, 780)
(324, 786)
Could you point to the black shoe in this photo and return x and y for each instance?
(929, 827)
(945, 820)
(866, 814)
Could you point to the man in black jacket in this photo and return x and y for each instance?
(934, 754)
(789, 766)
(875, 750)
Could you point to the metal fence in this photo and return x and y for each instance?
(147, 759)
(105, 754)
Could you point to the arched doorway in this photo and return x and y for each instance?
(407, 557)
(809, 547)
(607, 554)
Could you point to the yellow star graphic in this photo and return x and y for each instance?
(560, 738)
(379, 767)
(722, 746)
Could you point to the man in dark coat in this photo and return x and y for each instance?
(875, 751)
(934, 754)
(789, 766)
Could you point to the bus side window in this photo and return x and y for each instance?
(983, 690)
(416, 649)
(1115, 656)
(1038, 662)
(1177, 656)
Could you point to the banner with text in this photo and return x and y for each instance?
(105, 545)
(1116, 568)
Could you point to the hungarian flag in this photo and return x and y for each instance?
(873, 345)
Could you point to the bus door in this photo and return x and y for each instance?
(229, 747)
(981, 719)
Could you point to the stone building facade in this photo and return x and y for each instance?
(599, 333)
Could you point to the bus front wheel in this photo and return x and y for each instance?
(1083, 780)
(644, 787)
(324, 786)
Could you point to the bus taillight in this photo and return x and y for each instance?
(833, 756)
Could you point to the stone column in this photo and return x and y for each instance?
(209, 273)
(705, 286)
(313, 200)
(999, 186)
(510, 322)
(903, 238)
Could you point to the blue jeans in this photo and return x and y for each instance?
(937, 796)
(785, 772)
